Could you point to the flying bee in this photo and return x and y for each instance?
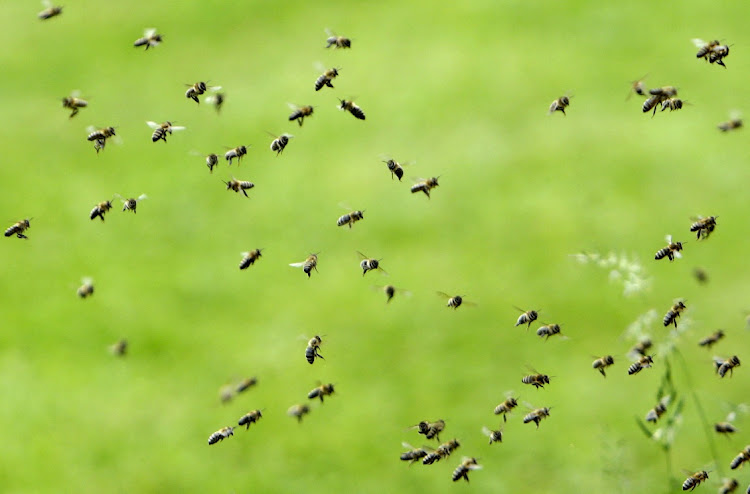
(414, 454)
(694, 480)
(326, 78)
(673, 313)
(298, 411)
(216, 99)
(299, 113)
(704, 48)
(308, 264)
(700, 275)
(442, 451)
(86, 289)
(321, 391)
(712, 339)
(657, 96)
(455, 301)
(74, 103)
(312, 349)
(718, 53)
(734, 122)
(537, 380)
(425, 186)
(197, 89)
(249, 418)
(280, 142)
(671, 251)
(237, 152)
(505, 407)
(150, 38)
(559, 105)
(246, 384)
(672, 104)
(220, 435)
(120, 348)
(527, 317)
(132, 203)
(239, 185)
(656, 412)
(725, 428)
(548, 330)
(49, 11)
(352, 108)
(642, 347)
(395, 168)
(462, 471)
(369, 264)
(602, 363)
(741, 458)
(100, 209)
(724, 366)
(390, 291)
(212, 160)
(350, 218)
(728, 486)
(100, 136)
(337, 41)
(249, 258)
(18, 228)
(161, 130)
(703, 227)
(638, 87)
(640, 364)
(537, 415)
(430, 429)
(495, 436)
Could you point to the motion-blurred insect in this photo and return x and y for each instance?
(132, 203)
(527, 317)
(74, 103)
(321, 391)
(728, 486)
(671, 251)
(369, 264)
(226, 393)
(640, 364)
(703, 227)
(150, 38)
(726, 427)
(86, 289)
(712, 339)
(559, 105)
(298, 411)
(279, 143)
(430, 429)
(239, 185)
(657, 96)
(49, 11)
(395, 168)
(642, 347)
(495, 436)
(216, 99)
(537, 415)
(212, 160)
(99, 136)
(313, 346)
(337, 41)
(672, 104)
(18, 228)
(352, 108)
(442, 451)
(602, 363)
(638, 87)
(673, 313)
(246, 384)
(120, 348)
(455, 301)
(700, 275)
(462, 471)
(741, 458)
(694, 480)
(656, 412)
(161, 130)
(299, 113)
(723, 366)
(220, 435)
(308, 264)
(505, 407)
(536, 379)
(249, 258)
(425, 186)
(197, 89)
(548, 330)
(350, 218)
(249, 418)
(237, 152)
(711, 51)
(734, 122)
(325, 78)
(414, 454)
(100, 209)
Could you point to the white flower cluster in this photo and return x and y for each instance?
(622, 269)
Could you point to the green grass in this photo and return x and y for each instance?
(460, 91)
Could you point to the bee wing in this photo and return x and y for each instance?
(175, 128)
(215, 88)
(319, 67)
(297, 264)
(668, 238)
(698, 42)
(142, 197)
(731, 416)
(474, 466)
(46, 3)
(90, 129)
(361, 255)
(87, 280)
(469, 303)
(383, 271)
(329, 32)
(677, 255)
(153, 125)
(735, 114)
(149, 31)
(486, 431)
(443, 294)
(407, 445)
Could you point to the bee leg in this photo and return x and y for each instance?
(244, 192)
(21, 235)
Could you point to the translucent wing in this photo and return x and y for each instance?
(698, 42)
(175, 128)
(149, 31)
(668, 238)
(153, 125)
(297, 264)
(142, 197)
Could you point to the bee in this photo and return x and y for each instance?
(640, 364)
(250, 418)
(672, 104)
(389, 291)
(442, 451)
(321, 391)
(49, 11)
(602, 363)
(298, 411)
(430, 429)
(395, 168)
(548, 330)
(650, 103)
(527, 317)
(280, 142)
(226, 393)
(454, 301)
(120, 348)
(86, 289)
(642, 347)
(216, 99)
(414, 454)
(350, 218)
(337, 41)
(18, 228)
(741, 458)
(718, 53)
(537, 415)
(100, 209)
(74, 103)
(197, 89)
(237, 152)
(734, 122)
(249, 258)
(246, 384)
(505, 407)
(326, 78)
(220, 435)
(495, 436)
(694, 480)
(712, 339)
(704, 47)
(724, 366)
(239, 185)
(462, 471)
(703, 227)
(299, 113)
(657, 96)
(131, 204)
(638, 87)
(352, 108)
(559, 105)
(212, 160)
(150, 38)
(726, 427)
(671, 251)
(308, 264)
(161, 130)
(312, 349)
(368, 264)
(700, 275)
(537, 380)
(673, 313)
(656, 412)
(729, 486)
(425, 186)
(100, 136)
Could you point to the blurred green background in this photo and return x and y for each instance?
(462, 91)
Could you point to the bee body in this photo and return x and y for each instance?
(536, 416)
(724, 366)
(74, 104)
(161, 130)
(350, 218)
(442, 451)
(694, 480)
(18, 228)
(212, 160)
(431, 429)
(712, 339)
(536, 380)
(548, 330)
(505, 408)
(239, 186)
(299, 113)
(658, 96)
(308, 264)
(741, 458)
(729, 486)
(602, 363)
(311, 352)
(462, 471)
(389, 291)
(150, 39)
(100, 136)
(237, 152)
(249, 418)
(86, 289)
(100, 209)
(732, 124)
(725, 428)
(246, 384)
(298, 411)
(321, 391)
(196, 90)
(656, 412)
(132, 203)
(49, 12)
(338, 42)
(527, 318)
(352, 108)
(220, 435)
(673, 313)
(120, 348)
(703, 227)
(425, 186)
(249, 258)
(495, 436)
(216, 99)
(672, 104)
(642, 347)
(559, 105)
(640, 364)
(279, 143)
(414, 454)
(670, 251)
(368, 264)
(395, 168)
(326, 78)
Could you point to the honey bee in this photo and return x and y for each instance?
(337, 41)
(298, 411)
(326, 78)
(548, 330)
(602, 363)
(197, 89)
(313, 346)
(246, 384)
(638, 87)
(656, 412)
(651, 102)
(161, 130)
(239, 186)
(308, 264)
(537, 415)
(734, 122)
(49, 11)
(741, 458)
(280, 142)
(18, 228)
(694, 480)
(462, 471)
(505, 407)
(442, 451)
(352, 108)
(559, 105)
(718, 54)
(350, 218)
(390, 291)
(537, 380)
(712, 339)
(642, 347)
(395, 168)
(132, 203)
(100, 136)
(100, 209)
(249, 258)
(212, 160)
(237, 152)
(712, 51)
(321, 391)
(430, 429)
(495, 436)
(724, 366)
(671, 251)
(368, 264)
(728, 486)
(527, 317)
(726, 427)
(454, 301)
(216, 99)
(414, 454)
(220, 435)
(299, 113)
(672, 104)
(673, 313)
(640, 364)
(700, 275)
(150, 38)
(425, 186)
(250, 418)
(120, 348)
(657, 96)
(74, 103)
(703, 227)
(86, 289)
